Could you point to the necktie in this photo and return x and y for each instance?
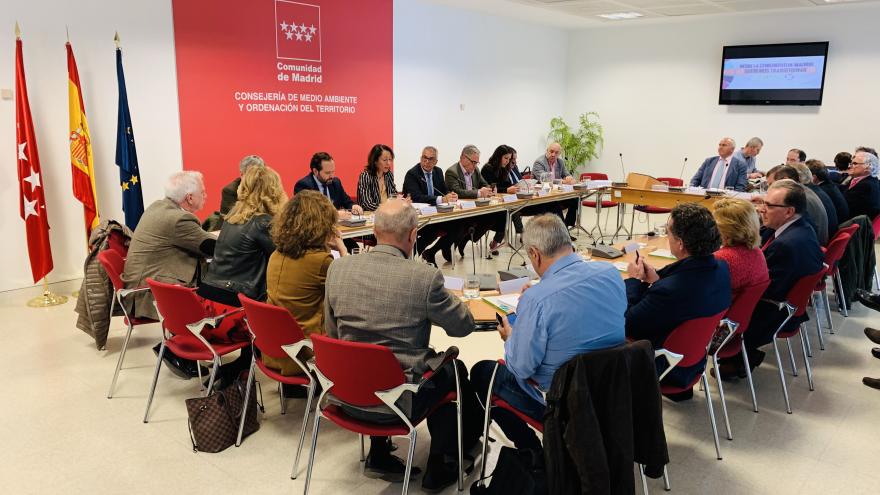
(326, 190)
(769, 241)
(469, 184)
(719, 173)
(430, 184)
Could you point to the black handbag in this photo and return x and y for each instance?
(518, 472)
(213, 420)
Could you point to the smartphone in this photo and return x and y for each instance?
(637, 255)
(510, 318)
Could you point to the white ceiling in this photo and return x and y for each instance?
(582, 13)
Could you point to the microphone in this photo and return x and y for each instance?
(683, 165)
(622, 168)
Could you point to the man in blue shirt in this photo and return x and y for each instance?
(577, 307)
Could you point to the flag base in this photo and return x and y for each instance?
(46, 300)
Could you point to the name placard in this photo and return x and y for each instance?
(543, 192)
(467, 205)
(428, 210)
(509, 198)
(567, 188)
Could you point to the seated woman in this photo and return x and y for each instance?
(304, 233)
(738, 225)
(376, 183)
(496, 172)
(240, 257)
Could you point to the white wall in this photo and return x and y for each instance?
(509, 74)
(148, 56)
(656, 88)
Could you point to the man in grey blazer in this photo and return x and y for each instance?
(552, 162)
(381, 297)
(723, 170)
(464, 179)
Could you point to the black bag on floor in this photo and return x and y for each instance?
(518, 472)
(213, 420)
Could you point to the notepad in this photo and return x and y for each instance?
(662, 253)
(620, 265)
(505, 303)
(512, 286)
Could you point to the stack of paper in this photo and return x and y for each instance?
(662, 253)
(506, 303)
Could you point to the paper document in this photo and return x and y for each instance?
(506, 303)
(620, 265)
(334, 253)
(512, 286)
(662, 253)
(453, 283)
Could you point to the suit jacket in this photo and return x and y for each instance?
(830, 212)
(790, 256)
(166, 246)
(736, 177)
(503, 180)
(864, 198)
(840, 206)
(340, 199)
(455, 182)
(380, 297)
(368, 194)
(817, 216)
(229, 196)
(415, 185)
(541, 165)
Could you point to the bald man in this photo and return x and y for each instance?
(722, 170)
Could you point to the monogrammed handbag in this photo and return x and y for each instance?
(213, 420)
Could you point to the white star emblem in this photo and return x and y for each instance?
(299, 36)
(21, 155)
(309, 37)
(294, 27)
(34, 179)
(30, 208)
(303, 26)
(284, 26)
(289, 35)
(312, 28)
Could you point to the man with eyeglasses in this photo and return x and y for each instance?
(552, 163)
(464, 179)
(862, 194)
(792, 251)
(424, 184)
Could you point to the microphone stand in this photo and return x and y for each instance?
(683, 165)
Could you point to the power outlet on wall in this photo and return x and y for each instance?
(6, 94)
(461, 106)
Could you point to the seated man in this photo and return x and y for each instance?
(805, 178)
(748, 155)
(322, 178)
(695, 286)
(723, 170)
(814, 212)
(822, 179)
(792, 251)
(464, 179)
(862, 194)
(424, 184)
(551, 162)
(795, 155)
(169, 246)
(383, 298)
(229, 195)
(577, 307)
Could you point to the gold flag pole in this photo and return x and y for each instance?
(47, 299)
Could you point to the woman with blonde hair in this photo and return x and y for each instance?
(739, 226)
(304, 233)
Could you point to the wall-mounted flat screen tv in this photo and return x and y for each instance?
(781, 74)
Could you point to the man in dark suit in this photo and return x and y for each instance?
(723, 170)
(863, 192)
(424, 184)
(322, 178)
(792, 251)
(229, 194)
(823, 180)
(695, 286)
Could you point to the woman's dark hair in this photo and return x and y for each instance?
(373, 157)
(494, 162)
(695, 226)
(842, 160)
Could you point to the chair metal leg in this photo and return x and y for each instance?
(312, 452)
(745, 356)
(247, 396)
(827, 311)
(711, 411)
(155, 380)
(876, 277)
(119, 361)
(794, 370)
(363, 452)
(409, 460)
(281, 398)
(818, 326)
(666, 484)
(807, 362)
(781, 375)
(644, 481)
(302, 431)
(841, 297)
(487, 419)
(459, 427)
(723, 400)
(213, 377)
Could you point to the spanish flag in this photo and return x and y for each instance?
(81, 158)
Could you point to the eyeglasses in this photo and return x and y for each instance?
(473, 162)
(429, 158)
(772, 205)
(857, 163)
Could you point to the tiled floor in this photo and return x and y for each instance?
(61, 434)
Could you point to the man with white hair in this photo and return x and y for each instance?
(863, 192)
(552, 163)
(381, 297)
(229, 195)
(748, 154)
(169, 246)
(723, 170)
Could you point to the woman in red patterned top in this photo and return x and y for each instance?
(738, 224)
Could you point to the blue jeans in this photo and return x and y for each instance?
(507, 388)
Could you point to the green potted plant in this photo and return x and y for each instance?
(581, 146)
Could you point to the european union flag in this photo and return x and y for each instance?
(126, 155)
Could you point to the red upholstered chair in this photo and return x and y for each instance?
(273, 327)
(833, 253)
(116, 242)
(601, 203)
(183, 316)
(691, 339)
(655, 210)
(726, 347)
(113, 264)
(339, 366)
(795, 305)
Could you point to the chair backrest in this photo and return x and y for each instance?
(799, 295)
(673, 181)
(875, 224)
(594, 176)
(836, 247)
(744, 303)
(357, 370)
(114, 265)
(691, 338)
(179, 307)
(272, 326)
(116, 242)
(850, 229)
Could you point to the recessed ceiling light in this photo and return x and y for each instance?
(621, 15)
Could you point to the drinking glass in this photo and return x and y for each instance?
(472, 287)
(355, 250)
(586, 254)
(661, 230)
